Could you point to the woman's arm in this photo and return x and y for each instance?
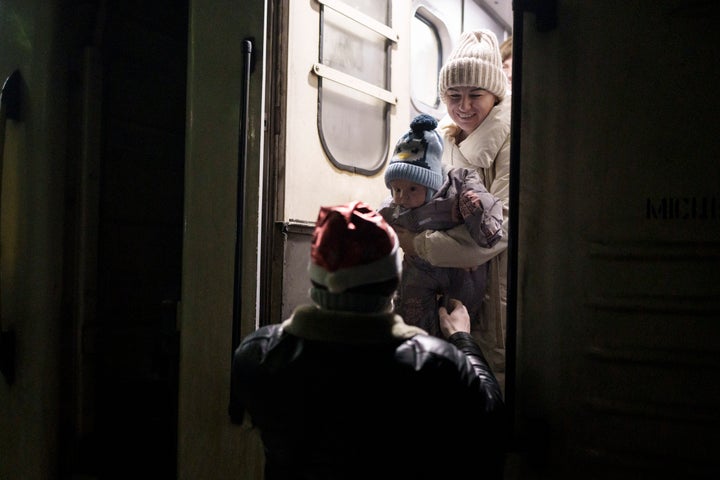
(453, 248)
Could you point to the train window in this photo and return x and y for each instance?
(353, 77)
(425, 43)
(429, 41)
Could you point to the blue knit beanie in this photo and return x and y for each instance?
(418, 156)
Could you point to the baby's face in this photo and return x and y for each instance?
(408, 194)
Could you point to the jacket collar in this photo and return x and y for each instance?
(313, 323)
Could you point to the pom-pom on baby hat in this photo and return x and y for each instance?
(352, 246)
(418, 156)
(475, 62)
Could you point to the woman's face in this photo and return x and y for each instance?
(408, 194)
(468, 106)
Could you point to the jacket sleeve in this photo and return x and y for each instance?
(466, 344)
(236, 408)
(245, 367)
(455, 247)
(481, 211)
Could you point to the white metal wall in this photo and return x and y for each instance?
(209, 446)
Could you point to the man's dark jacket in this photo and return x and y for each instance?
(337, 395)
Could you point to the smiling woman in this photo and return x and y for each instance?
(477, 137)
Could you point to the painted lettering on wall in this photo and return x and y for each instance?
(682, 208)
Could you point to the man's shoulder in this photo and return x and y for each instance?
(423, 349)
(264, 333)
(259, 341)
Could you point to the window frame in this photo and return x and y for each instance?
(382, 93)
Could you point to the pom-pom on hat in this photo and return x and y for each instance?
(418, 156)
(353, 246)
(475, 62)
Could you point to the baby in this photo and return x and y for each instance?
(426, 197)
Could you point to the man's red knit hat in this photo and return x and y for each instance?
(352, 245)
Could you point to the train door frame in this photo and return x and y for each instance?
(273, 234)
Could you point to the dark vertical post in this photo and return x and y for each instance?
(240, 206)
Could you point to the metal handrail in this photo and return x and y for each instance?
(361, 18)
(241, 187)
(9, 109)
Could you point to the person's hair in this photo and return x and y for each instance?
(506, 49)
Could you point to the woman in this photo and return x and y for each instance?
(476, 135)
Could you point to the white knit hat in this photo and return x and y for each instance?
(475, 62)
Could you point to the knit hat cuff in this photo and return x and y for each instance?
(413, 173)
(350, 301)
(472, 72)
(384, 268)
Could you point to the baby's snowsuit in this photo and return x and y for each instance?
(462, 198)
